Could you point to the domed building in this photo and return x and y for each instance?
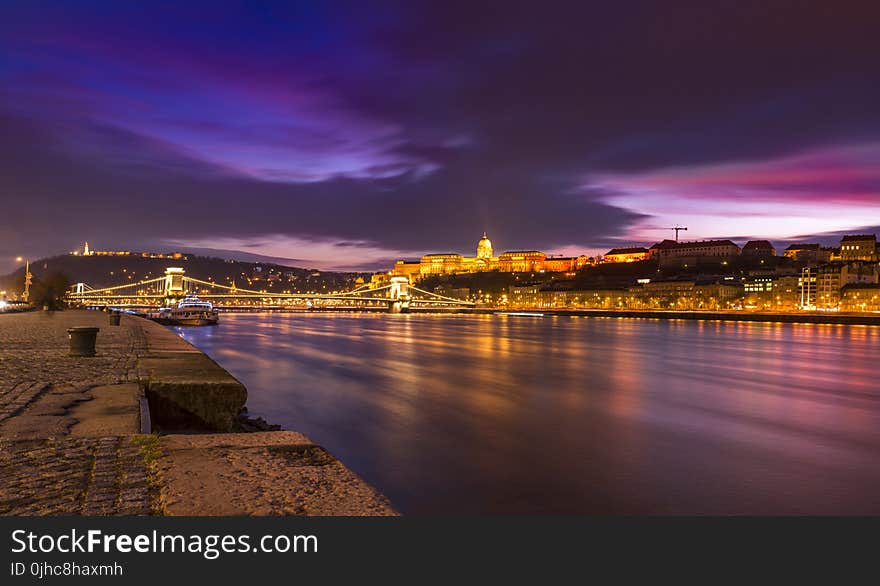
(484, 247)
(451, 263)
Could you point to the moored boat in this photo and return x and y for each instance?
(190, 311)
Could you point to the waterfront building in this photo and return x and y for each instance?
(678, 295)
(859, 247)
(758, 292)
(758, 248)
(631, 254)
(533, 296)
(460, 293)
(861, 297)
(807, 288)
(786, 293)
(832, 277)
(524, 296)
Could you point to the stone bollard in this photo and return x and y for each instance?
(114, 318)
(82, 340)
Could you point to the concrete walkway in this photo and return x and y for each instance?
(71, 441)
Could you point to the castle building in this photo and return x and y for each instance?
(631, 254)
(521, 261)
(516, 261)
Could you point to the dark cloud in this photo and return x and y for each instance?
(412, 128)
(85, 195)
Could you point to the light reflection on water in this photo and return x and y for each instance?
(493, 414)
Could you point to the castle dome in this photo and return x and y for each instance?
(484, 247)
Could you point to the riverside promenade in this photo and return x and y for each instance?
(146, 427)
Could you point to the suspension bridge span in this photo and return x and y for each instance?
(398, 295)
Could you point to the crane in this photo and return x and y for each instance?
(677, 229)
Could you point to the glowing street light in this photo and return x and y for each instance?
(27, 278)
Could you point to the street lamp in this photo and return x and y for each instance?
(27, 278)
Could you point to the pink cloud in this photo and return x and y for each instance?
(824, 190)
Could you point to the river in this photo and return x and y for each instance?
(487, 414)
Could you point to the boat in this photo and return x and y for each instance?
(520, 313)
(190, 311)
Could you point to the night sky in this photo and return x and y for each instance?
(346, 135)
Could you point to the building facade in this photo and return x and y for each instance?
(759, 248)
(515, 261)
(632, 254)
(859, 247)
(807, 253)
(671, 253)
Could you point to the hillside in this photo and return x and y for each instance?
(105, 271)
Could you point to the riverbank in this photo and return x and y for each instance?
(147, 426)
(801, 317)
(818, 317)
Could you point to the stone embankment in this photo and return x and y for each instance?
(147, 427)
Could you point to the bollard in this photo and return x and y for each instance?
(82, 340)
(114, 318)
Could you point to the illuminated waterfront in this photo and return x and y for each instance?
(492, 414)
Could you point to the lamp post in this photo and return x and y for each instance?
(27, 278)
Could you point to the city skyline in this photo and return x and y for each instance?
(304, 133)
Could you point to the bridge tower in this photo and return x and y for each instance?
(79, 288)
(174, 283)
(398, 294)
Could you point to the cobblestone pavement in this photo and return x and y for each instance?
(34, 345)
(44, 471)
(76, 476)
(53, 464)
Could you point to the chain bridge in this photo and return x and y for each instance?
(399, 295)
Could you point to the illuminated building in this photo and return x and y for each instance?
(861, 247)
(407, 268)
(807, 253)
(807, 289)
(860, 297)
(679, 295)
(440, 264)
(633, 254)
(831, 278)
(484, 248)
(565, 264)
(521, 261)
(671, 252)
(762, 284)
(88, 252)
(515, 261)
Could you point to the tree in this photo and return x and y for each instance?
(49, 290)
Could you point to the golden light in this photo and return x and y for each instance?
(18, 259)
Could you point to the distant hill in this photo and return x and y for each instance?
(106, 271)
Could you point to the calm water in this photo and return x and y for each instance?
(495, 414)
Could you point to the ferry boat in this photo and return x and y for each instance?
(190, 311)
